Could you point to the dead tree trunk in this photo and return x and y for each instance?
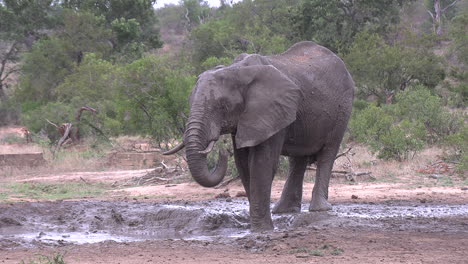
(70, 133)
(437, 16)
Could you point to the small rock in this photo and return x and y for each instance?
(228, 200)
(354, 197)
(423, 200)
(464, 188)
(434, 176)
(241, 194)
(223, 195)
(302, 255)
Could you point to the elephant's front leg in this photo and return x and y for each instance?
(291, 197)
(263, 162)
(241, 158)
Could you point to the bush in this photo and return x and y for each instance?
(380, 69)
(458, 149)
(385, 136)
(153, 98)
(417, 104)
(400, 130)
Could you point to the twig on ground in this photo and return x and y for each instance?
(227, 182)
(83, 180)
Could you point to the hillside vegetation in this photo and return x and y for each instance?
(136, 66)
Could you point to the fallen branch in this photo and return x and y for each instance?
(344, 153)
(348, 174)
(165, 166)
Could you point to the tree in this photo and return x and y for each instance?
(382, 70)
(250, 26)
(459, 34)
(20, 23)
(335, 23)
(52, 59)
(132, 20)
(196, 12)
(153, 98)
(437, 9)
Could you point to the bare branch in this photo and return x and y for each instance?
(9, 72)
(449, 6)
(431, 14)
(51, 123)
(7, 57)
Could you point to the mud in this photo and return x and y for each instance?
(38, 224)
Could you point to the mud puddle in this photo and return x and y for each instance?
(78, 222)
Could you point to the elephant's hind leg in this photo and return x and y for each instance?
(291, 197)
(325, 162)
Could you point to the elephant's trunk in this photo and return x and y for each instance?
(196, 144)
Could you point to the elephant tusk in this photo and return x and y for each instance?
(175, 149)
(208, 149)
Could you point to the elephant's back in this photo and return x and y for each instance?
(316, 70)
(305, 51)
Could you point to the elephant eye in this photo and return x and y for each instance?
(225, 104)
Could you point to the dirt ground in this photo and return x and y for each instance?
(338, 243)
(372, 222)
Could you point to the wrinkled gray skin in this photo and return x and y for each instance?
(295, 104)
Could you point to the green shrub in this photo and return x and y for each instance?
(385, 135)
(400, 130)
(458, 149)
(417, 104)
(400, 142)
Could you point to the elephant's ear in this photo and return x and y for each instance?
(271, 100)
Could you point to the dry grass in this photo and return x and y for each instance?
(19, 148)
(362, 160)
(72, 159)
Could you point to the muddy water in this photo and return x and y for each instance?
(78, 222)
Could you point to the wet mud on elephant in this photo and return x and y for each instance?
(295, 104)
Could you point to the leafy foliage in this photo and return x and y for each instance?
(457, 144)
(154, 98)
(459, 34)
(380, 69)
(335, 23)
(400, 130)
(249, 26)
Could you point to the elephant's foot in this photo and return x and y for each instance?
(319, 205)
(261, 225)
(282, 207)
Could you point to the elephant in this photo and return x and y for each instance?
(295, 104)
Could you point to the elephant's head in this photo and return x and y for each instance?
(251, 101)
